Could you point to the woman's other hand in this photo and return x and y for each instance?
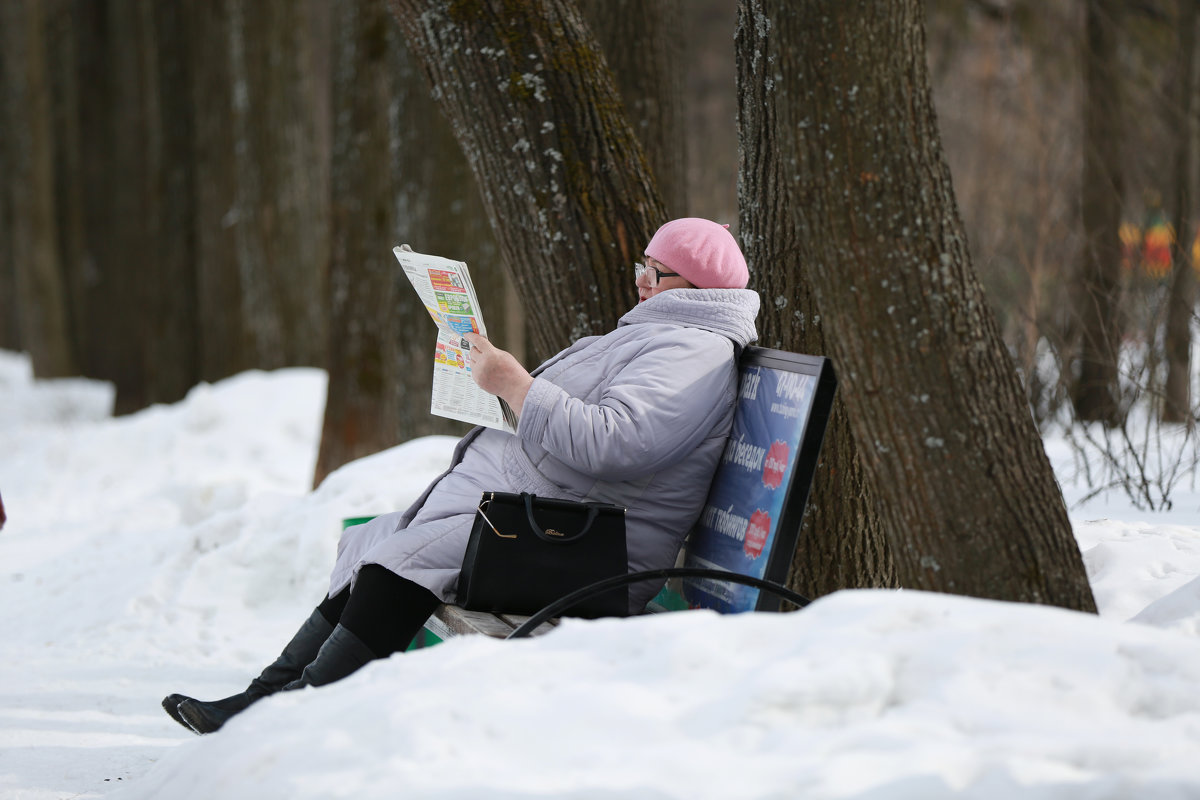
(498, 372)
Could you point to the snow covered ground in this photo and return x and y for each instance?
(177, 550)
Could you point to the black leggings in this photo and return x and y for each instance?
(384, 610)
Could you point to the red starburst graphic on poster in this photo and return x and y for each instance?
(775, 465)
(756, 533)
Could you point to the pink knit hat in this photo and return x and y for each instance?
(703, 252)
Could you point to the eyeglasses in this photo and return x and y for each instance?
(656, 274)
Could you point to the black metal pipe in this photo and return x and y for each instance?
(566, 602)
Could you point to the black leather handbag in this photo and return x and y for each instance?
(525, 552)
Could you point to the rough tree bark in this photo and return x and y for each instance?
(1182, 299)
(1095, 393)
(967, 494)
(842, 542)
(565, 183)
(642, 46)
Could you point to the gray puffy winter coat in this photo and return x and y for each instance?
(637, 417)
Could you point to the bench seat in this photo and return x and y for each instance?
(450, 620)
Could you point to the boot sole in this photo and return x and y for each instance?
(171, 703)
(194, 721)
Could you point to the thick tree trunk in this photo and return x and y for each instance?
(1181, 303)
(153, 183)
(226, 344)
(966, 492)
(842, 543)
(64, 78)
(102, 331)
(39, 297)
(361, 408)
(280, 215)
(398, 176)
(564, 181)
(123, 184)
(1096, 390)
(643, 48)
(10, 338)
(116, 118)
(140, 218)
(171, 334)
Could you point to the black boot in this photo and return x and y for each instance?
(206, 717)
(342, 654)
(231, 705)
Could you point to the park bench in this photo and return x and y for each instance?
(751, 519)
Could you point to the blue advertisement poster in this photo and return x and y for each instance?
(737, 527)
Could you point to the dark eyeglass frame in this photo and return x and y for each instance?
(639, 268)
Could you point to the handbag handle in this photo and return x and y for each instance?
(552, 535)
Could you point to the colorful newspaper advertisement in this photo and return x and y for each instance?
(444, 286)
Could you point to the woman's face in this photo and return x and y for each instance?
(649, 283)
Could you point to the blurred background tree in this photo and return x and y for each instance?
(398, 177)
(171, 211)
(1181, 303)
(1009, 79)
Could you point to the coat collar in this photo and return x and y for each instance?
(729, 312)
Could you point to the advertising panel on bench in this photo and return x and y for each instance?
(751, 519)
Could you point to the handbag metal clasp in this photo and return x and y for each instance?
(552, 532)
(493, 527)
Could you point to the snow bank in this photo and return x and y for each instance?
(865, 694)
(178, 548)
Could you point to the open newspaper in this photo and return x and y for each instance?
(444, 286)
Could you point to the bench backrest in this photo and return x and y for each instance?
(751, 519)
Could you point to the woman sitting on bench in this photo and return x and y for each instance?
(637, 417)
